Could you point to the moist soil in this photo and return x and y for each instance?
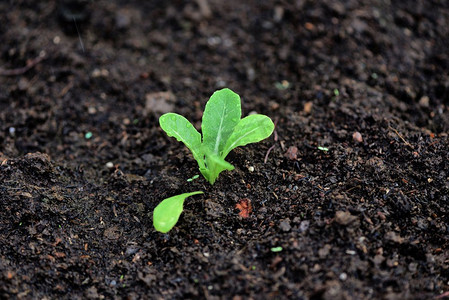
(348, 199)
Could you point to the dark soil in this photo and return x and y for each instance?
(353, 184)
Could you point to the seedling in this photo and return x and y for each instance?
(222, 131)
(166, 213)
(193, 178)
(276, 249)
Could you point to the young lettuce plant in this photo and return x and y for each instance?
(166, 213)
(222, 129)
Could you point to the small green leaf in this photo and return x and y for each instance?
(325, 149)
(221, 115)
(193, 178)
(180, 128)
(166, 214)
(251, 129)
(276, 249)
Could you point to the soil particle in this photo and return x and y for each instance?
(285, 225)
(344, 218)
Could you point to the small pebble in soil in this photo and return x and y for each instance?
(100, 73)
(56, 40)
(250, 74)
(131, 250)
(109, 165)
(273, 105)
(324, 252)
(344, 218)
(343, 276)
(424, 101)
(285, 225)
(412, 267)
(357, 137)
(12, 131)
(308, 107)
(304, 225)
(292, 153)
(91, 110)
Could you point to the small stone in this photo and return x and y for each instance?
(23, 84)
(131, 250)
(292, 153)
(308, 107)
(357, 137)
(112, 233)
(344, 217)
(109, 165)
(92, 293)
(412, 267)
(278, 13)
(304, 225)
(285, 225)
(323, 252)
(424, 101)
(91, 110)
(394, 237)
(273, 105)
(56, 40)
(350, 252)
(251, 74)
(100, 73)
(378, 259)
(159, 102)
(343, 276)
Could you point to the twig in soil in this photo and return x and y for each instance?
(19, 71)
(66, 89)
(443, 295)
(354, 187)
(79, 35)
(268, 152)
(212, 227)
(400, 136)
(275, 139)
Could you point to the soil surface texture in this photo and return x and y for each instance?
(348, 199)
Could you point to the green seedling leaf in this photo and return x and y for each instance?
(193, 178)
(325, 149)
(251, 129)
(221, 115)
(222, 130)
(180, 128)
(276, 249)
(166, 214)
